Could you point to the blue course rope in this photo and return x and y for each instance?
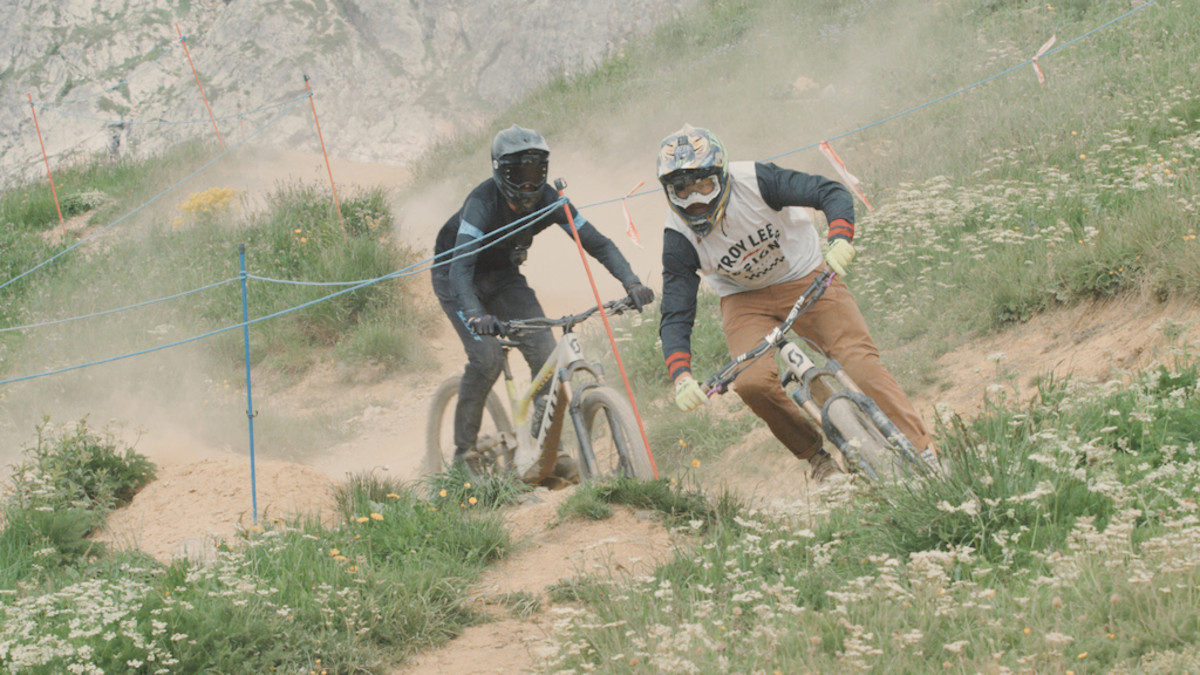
(413, 269)
(296, 101)
(119, 309)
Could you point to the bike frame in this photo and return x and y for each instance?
(565, 362)
(804, 372)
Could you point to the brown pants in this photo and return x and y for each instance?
(836, 326)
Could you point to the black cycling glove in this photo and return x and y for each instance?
(641, 295)
(485, 325)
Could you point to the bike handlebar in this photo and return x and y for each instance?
(719, 382)
(619, 306)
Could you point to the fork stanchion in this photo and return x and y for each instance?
(561, 186)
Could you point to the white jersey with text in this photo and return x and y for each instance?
(755, 246)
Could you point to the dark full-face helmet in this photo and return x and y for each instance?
(694, 173)
(520, 160)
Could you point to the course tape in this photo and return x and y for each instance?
(415, 268)
(118, 309)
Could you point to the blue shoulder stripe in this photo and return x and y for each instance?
(580, 223)
(470, 230)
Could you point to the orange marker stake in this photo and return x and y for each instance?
(561, 186)
(183, 41)
(327, 166)
(45, 158)
(630, 229)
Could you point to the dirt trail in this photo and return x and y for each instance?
(201, 493)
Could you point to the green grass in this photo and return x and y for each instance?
(389, 579)
(297, 237)
(182, 243)
(1050, 541)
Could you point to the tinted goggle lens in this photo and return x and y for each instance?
(524, 172)
(685, 182)
(526, 176)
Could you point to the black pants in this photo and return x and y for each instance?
(506, 295)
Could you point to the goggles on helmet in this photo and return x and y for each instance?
(689, 189)
(526, 172)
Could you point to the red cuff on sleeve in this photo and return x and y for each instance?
(678, 364)
(841, 228)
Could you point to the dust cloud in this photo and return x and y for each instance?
(783, 85)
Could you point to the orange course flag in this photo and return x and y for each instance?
(630, 229)
(1037, 68)
(847, 177)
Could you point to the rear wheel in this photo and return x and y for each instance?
(439, 428)
(615, 439)
(867, 450)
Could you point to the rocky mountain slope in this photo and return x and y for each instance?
(390, 79)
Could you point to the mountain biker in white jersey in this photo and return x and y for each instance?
(746, 229)
(482, 284)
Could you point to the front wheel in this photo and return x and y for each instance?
(615, 440)
(867, 450)
(439, 428)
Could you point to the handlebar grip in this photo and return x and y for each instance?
(621, 305)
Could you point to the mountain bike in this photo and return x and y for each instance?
(871, 444)
(608, 441)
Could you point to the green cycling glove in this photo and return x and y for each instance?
(688, 394)
(839, 255)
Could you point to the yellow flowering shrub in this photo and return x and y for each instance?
(207, 205)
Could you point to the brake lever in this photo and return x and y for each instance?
(715, 387)
(621, 306)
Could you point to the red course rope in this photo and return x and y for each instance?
(608, 328)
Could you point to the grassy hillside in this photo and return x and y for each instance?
(134, 303)
(996, 198)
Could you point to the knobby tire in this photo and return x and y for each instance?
(869, 453)
(439, 452)
(617, 442)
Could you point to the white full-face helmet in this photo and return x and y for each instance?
(694, 173)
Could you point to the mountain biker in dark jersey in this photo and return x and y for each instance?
(745, 228)
(479, 284)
